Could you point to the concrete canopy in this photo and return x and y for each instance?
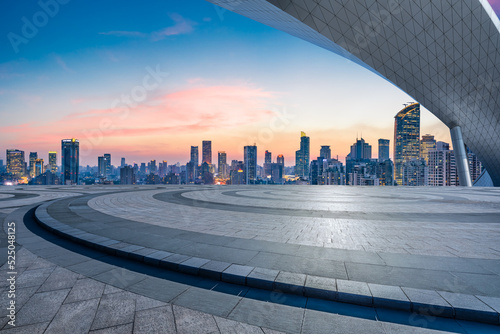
(445, 54)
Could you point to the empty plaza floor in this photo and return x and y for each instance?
(254, 259)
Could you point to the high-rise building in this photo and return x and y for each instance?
(415, 173)
(302, 157)
(475, 166)
(207, 151)
(122, 163)
(70, 159)
(406, 138)
(222, 164)
(15, 163)
(53, 161)
(237, 172)
(101, 166)
(427, 144)
(107, 162)
(250, 161)
(383, 149)
(127, 175)
(325, 152)
(268, 159)
(442, 167)
(360, 150)
(280, 159)
(152, 167)
(1, 165)
(194, 155)
(39, 168)
(33, 157)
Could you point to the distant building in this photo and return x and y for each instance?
(237, 172)
(207, 151)
(302, 157)
(385, 172)
(383, 149)
(53, 161)
(70, 159)
(280, 159)
(38, 167)
(16, 163)
(268, 159)
(360, 150)
(33, 157)
(127, 175)
(475, 166)
(222, 165)
(415, 173)
(152, 167)
(101, 167)
(250, 161)
(406, 139)
(122, 163)
(107, 162)
(325, 152)
(428, 143)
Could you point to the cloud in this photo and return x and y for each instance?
(181, 26)
(121, 33)
(63, 64)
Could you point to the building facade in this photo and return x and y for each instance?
(250, 161)
(406, 139)
(16, 163)
(383, 149)
(302, 157)
(70, 159)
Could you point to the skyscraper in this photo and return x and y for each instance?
(38, 167)
(406, 138)
(70, 159)
(280, 159)
(427, 144)
(383, 149)
(53, 161)
(107, 163)
(360, 150)
(302, 157)
(15, 162)
(250, 161)
(33, 157)
(222, 164)
(122, 163)
(194, 155)
(325, 152)
(207, 151)
(268, 159)
(101, 167)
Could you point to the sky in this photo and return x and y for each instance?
(148, 80)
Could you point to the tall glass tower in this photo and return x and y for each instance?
(15, 162)
(53, 161)
(302, 157)
(207, 151)
(383, 150)
(406, 138)
(250, 161)
(70, 160)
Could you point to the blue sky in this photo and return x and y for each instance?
(228, 79)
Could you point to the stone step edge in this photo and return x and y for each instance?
(420, 301)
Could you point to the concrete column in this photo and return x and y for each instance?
(461, 159)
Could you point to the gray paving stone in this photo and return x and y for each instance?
(213, 269)
(273, 316)
(29, 329)
(321, 322)
(154, 258)
(41, 307)
(120, 329)
(157, 288)
(120, 277)
(469, 307)
(172, 262)
(90, 268)
(428, 302)
(492, 302)
(290, 282)
(236, 274)
(320, 287)
(144, 303)
(85, 289)
(33, 277)
(74, 317)
(227, 326)
(110, 289)
(262, 278)
(193, 322)
(22, 296)
(60, 278)
(191, 266)
(155, 320)
(354, 292)
(207, 301)
(114, 309)
(389, 297)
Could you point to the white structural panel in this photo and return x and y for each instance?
(443, 53)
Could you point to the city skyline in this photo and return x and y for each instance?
(68, 89)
